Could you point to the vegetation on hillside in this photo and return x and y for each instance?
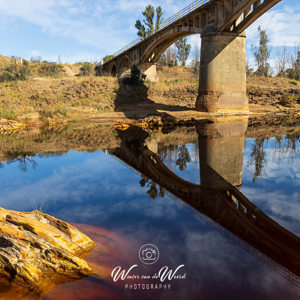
(287, 62)
(87, 69)
(15, 71)
(180, 53)
(18, 69)
(50, 69)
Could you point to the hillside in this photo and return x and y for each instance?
(69, 70)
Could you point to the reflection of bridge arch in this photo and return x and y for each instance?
(225, 205)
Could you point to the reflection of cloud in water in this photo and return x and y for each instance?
(73, 183)
(215, 267)
(99, 190)
(276, 192)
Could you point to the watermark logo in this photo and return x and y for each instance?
(155, 278)
(149, 254)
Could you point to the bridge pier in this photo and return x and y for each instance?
(222, 80)
(149, 69)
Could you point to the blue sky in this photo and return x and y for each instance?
(87, 30)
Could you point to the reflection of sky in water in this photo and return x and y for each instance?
(277, 190)
(97, 189)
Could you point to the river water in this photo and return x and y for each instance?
(169, 189)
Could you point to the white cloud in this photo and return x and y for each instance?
(106, 26)
(282, 26)
(69, 57)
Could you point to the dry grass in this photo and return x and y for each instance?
(167, 73)
(58, 96)
(4, 61)
(174, 80)
(69, 97)
(275, 83)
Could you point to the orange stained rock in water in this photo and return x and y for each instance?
(37, 252)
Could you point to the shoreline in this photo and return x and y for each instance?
(115, 118)
(50, 101)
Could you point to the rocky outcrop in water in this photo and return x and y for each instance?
(38, 251)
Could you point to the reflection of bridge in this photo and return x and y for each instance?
(222, 84)
(216, 197)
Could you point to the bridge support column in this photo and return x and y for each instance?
(149, 69)
(222, 81)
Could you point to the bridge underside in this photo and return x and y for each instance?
(222, 81)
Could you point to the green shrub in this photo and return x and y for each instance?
(87, 69)
(15, 71)
(51, 69)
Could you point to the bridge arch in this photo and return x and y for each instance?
(159, 46)
(113, 70)
(124, 64)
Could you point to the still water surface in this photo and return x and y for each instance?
(122, 209)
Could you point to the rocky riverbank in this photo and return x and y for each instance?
(38, 251)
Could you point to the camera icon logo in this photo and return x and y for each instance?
(149, 254)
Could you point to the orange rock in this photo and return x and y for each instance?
(38, 251)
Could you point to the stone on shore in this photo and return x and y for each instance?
(38, 251)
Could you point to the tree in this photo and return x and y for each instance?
(294, 60)
(282, 62)
(37, 59)
(141, 29)
(173, 62)
(169, 56)
(197, 59)
(146, 28)
(249, 69)
(183, 50)
(262, 53)
(163, 59)
(108, 58)
(159, 14)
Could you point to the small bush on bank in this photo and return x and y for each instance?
(136, 77)
(15, 71)
(87, 69)
(50, 69)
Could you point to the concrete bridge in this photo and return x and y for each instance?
(221, 23)
(218, 199)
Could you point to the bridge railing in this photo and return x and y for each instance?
(188, 9)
